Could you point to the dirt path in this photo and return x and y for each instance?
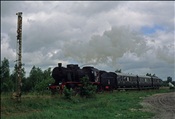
(163, 105)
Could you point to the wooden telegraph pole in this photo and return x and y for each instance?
(19, 56)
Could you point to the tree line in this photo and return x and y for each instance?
(37, 80)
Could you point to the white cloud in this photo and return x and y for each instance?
(6, 49)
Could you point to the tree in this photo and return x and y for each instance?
(6, 83)
(47, 73)
(169, 79)
(14, 77)
(46, 79)
(35, 77)
(38, 80)
(149, 74)
(118, 71)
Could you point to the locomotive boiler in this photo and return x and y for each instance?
(71, 75)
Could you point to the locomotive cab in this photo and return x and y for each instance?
(92, 73)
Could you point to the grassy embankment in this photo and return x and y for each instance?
(108, 105)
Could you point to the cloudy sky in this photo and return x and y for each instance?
(137, 37)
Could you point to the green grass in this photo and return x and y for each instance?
(107, 105)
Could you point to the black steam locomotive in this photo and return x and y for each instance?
(71, 76)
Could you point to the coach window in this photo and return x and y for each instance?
(119, 78)
(149, 80)
(134, 79)
(141, 79)
(127, 78)
(124, 78)
(145, 80)
(95, 73)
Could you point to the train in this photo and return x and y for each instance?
(71, 76)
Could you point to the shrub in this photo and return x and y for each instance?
(41, 87)
(67, 93)
(87, 89)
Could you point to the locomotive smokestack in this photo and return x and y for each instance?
(59, 64)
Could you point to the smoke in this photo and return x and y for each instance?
(107, 48)
(115, 44)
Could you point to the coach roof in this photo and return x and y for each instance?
(125, 74)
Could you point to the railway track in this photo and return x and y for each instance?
(163, 105)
